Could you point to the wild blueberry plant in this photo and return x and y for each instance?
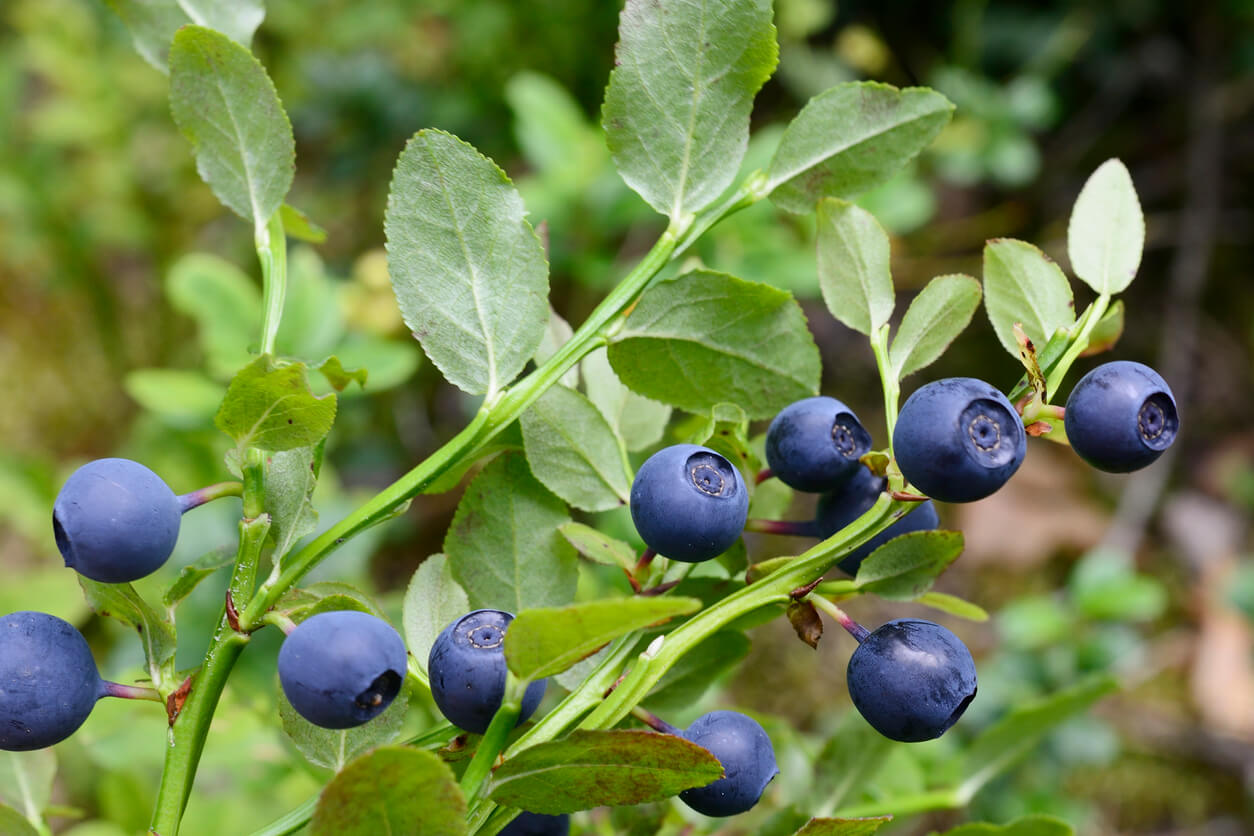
(560, 418)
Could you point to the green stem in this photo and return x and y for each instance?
(272, 252)
(888, 379)
(1078, 345)
(493, 741)
(901, 806)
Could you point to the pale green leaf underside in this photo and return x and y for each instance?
(26, 779)
(433, 601)
(676, 111)
(637, 420)
(290, 482)
(1022, 285)
(1106, 233)
(851, 138)
(153, 22)
(227, 107)
(853, 262)
(574, 452)
(708, 338)
(544, 642)
(504, 546)
(469, 272)
(940, 312)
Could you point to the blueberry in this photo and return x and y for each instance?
(467, 670)
(836, 509)
(115, 521)
(814, 444)
(689, 503)
(48, 681)
(341, 669)
(748, 760)
(1121, 416)
(958, 439)
(911, 679)
(537, 824)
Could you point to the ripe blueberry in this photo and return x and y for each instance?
(837, 508)
(115, 521)
(814, 444)
(748, 760)
(467, 670)
(911, 679)
(48, 680)
(537, 824)
(1121, 416)
(689, 503)
(958, 439)
(340, 669)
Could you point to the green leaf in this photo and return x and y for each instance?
(433, 601)
(468, 271)
(1107, 331)
(121, 601)
(504, 546)
(696, 672)
(953, 605)
(13, 823)
(854, 274)
(291, 476)
(388, 362)
(849, 760)
(153, 23)
(573, 451)
(193, 573)
(227, 107)
(225, 305)
(708, 338)
(334, 748)
(269, 405)
(940, 312)
(601, 768)
(1022, 285)
(850, 139)
(637, 420)
(393, 789)
(906, 566)
(1106, 233)
(298, 225)
(676, 111)
(844, 827)
(544, 642)
(725, 430)
(1012, 737)
(598, 546)
(181, 398)
(338, 376)
(1033, 825)
(26, 780)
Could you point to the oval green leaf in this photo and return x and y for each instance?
(504, 545)
(573, 450)
(707, 338)
(544, 642)
(433, 601)
(1106, 233)
(843, 827)
(602, 768)
(1022, 285)
(269, 405)
(637, 420)
(468, 271)
(935, 318)
(227, 107)
(393, 789)
(850, 139)
(905, 567)
(153, 22)
(853, 259)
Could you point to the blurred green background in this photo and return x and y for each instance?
(1150, 575)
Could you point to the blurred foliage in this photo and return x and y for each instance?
(106, 306)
